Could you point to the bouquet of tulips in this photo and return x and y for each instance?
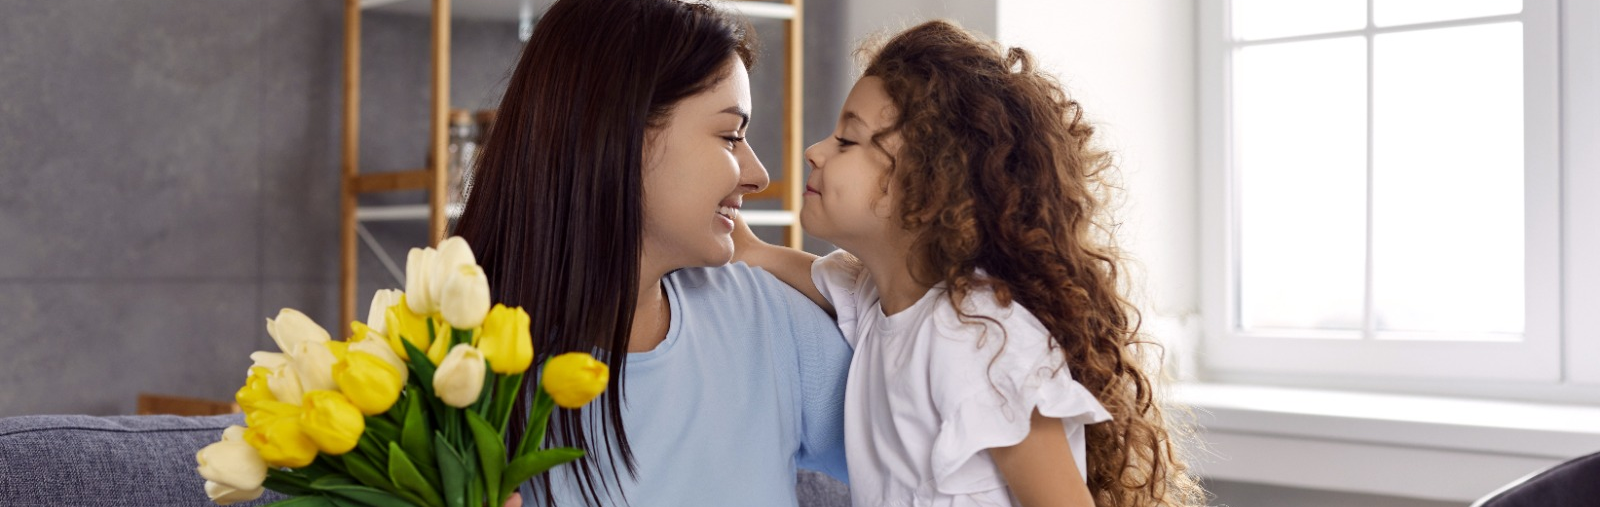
(412, 409)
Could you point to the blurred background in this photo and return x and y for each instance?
(1363, 231)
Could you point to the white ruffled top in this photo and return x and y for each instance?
(928, 394)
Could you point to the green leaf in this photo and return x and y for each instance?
(421, 368)
(362, 495)
(366, 471)
(303, 501)
(287, 482)
(369, 447)
(535, 463)
(384, 429)
(405, 475)
(452, 473)
(505, 395)
(415, 433)
(491, 455)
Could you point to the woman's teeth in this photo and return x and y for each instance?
(726, 211)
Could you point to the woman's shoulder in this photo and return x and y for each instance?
(745, 288)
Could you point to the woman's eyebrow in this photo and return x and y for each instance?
(744, 116)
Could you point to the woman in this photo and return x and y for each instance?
(605, 198)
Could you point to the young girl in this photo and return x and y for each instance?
(995, 362)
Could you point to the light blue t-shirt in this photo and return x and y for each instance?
(747, 386)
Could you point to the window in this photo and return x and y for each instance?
(1382, 188)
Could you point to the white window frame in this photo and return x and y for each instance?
(1538, 358)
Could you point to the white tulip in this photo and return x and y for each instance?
(465, 300)
(381, 301)
(233, 470)
(420, 266)
(382, 350)
(285, 384)
(454, 252)
(268, 360)
(313, 363)
(292, 328)
(459, 379)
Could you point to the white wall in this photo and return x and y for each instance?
(1131, 64)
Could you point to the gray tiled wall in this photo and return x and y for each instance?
(168, 177)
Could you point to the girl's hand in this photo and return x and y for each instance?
(515, 500)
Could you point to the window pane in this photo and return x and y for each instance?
(1403, 12)
(1447, 180)
(1265, 19)
(1300, 114)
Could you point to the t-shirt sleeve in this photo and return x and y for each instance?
(841, 279)
(823, 361)
(991, 383)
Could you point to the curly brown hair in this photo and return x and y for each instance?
(995, 171)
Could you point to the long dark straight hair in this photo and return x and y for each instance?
(555, 216)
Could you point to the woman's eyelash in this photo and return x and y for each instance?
(844, 142)
(733, 139)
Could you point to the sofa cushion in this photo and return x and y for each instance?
(103, 461)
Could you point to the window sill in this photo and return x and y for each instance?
(1411, 446)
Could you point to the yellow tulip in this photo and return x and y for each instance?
(381, 350)
(440, 347)
(371, 383)
(459, 379)
(233, 470)
(281, 442)
(255, 389)
(402, 323)
(332, 422)
(574, 378)
(264, 411)
(505, 341)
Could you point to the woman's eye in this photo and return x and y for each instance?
(733, 140)
(844, 143)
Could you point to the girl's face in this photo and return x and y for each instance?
(847, 201)
(697, 169)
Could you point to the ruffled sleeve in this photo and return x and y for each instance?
(842, 280)
(1023, 375)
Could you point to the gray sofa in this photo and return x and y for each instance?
(149, 461)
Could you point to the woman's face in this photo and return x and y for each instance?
(697, 169)
(846, 201)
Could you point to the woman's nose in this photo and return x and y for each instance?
(752, 174)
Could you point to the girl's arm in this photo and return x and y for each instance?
(791, 266)
(1035, 467)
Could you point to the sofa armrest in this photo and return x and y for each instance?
(102, 461)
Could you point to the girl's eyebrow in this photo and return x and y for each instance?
(850, 116)
(744, 116)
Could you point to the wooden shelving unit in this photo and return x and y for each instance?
(434, 177)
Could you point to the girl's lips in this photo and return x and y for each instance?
(810, 190)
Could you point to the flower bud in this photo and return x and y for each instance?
(505, 342)
(419, 267)
(281, 443)
(459, 379)
(292, 328)
(313, 363)
(574, 378)
(465, 298)
(381, 302)
(405, 324)
(331, 422)
(369, 382)
(233, 470)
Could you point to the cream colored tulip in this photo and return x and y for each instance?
(313, 363)
(268, 360)
(233, 470)
(285, 384)
(454, 252)
(459, 379)
(381, 301)
(292, 328)
(419, 295)
(465, 299)
(381, 349)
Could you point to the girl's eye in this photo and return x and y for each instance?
(844, 143)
